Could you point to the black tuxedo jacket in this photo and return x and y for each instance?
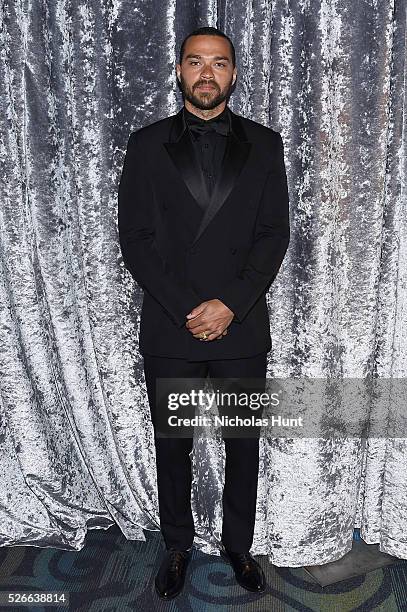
(183, 248)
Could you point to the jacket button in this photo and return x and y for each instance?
(192, 250)
(233, 251)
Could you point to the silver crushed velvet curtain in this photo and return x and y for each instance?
(76, 440)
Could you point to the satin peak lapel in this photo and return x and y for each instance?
(183, 156)
(181, 150)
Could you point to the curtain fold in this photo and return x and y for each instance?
(77, 446)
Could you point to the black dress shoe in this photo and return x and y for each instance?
(170, 578)
(248, 572)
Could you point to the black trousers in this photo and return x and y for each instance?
(174, 465)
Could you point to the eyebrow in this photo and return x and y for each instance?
(217, 57)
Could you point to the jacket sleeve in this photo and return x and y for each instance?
(272, 236)
(136, 236)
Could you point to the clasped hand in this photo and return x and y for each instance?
(211, 317)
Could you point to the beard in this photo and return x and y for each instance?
(205, 100)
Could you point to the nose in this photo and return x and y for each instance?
(207, 72)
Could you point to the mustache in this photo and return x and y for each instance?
(211, 84)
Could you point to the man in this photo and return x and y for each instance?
(204, 227)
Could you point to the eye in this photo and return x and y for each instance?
(220, 64)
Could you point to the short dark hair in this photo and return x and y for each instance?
(207, 31)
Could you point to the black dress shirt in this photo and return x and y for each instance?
(209, 147)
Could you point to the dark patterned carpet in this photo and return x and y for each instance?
(112, 574)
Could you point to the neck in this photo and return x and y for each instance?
(205, 114)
